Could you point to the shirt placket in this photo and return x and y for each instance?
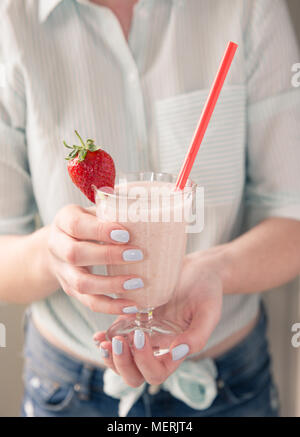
(135, 109)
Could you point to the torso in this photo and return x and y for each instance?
(124, 11)
(183, 98)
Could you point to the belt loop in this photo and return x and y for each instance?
(83, 386)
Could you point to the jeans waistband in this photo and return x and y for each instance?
(66, 369)
(38, 351)
(255, 344)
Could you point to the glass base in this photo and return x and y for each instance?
(161, 333)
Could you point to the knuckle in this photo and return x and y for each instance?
(65, 212)
(79, 283)
(71, 208)
(100, 230)
(74, 224)
(111, 308)
(68, 291)
(51, 242)
(71, 253)
(115, 284)
(58, 216)
(154, 380)
(201, 345)
(108, 254)
(93, 306)
(134, 384)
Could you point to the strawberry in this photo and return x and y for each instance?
(89, 166)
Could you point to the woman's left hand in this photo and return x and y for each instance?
(195, 305)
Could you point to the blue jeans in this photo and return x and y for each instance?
(57, 385)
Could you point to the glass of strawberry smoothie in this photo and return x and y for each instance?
(156, 217)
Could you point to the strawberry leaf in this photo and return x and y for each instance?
(80, 139)
(66, 145)
(93, 148)
(82, 155)
(82, 149)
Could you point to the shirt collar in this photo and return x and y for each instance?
(46, 7)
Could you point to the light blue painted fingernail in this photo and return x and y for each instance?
(103, 352)
(130, 310)
(139, 338)
(133, 284)
(119, 235)
(179, 351)
(133, 255)
(117, 346)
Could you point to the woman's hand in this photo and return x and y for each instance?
(196, 306)
(74, 245)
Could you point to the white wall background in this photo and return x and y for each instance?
(284, 310)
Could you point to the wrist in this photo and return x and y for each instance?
(38, 263)
(226, 266)
(220, 260)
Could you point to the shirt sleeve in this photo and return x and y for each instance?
(17, 204)
(273, 138)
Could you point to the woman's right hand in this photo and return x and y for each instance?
(74, 245)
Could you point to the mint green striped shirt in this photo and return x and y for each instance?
(67, 65)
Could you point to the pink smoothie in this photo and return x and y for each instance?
(161, 236)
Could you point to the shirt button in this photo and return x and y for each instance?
(153, 389)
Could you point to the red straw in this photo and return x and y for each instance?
(206, 116)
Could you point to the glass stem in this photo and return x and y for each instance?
(144, 316)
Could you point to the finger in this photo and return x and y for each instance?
(98, 337)
(98, 303)
(124, 362)
(152, 368)
(84, 225)
(105, 350)
(195, 337)
(81, 281)
(83, 253)
(106, 304)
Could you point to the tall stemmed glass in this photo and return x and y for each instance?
(156, 216)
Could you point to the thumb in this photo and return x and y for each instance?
(195, 337)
